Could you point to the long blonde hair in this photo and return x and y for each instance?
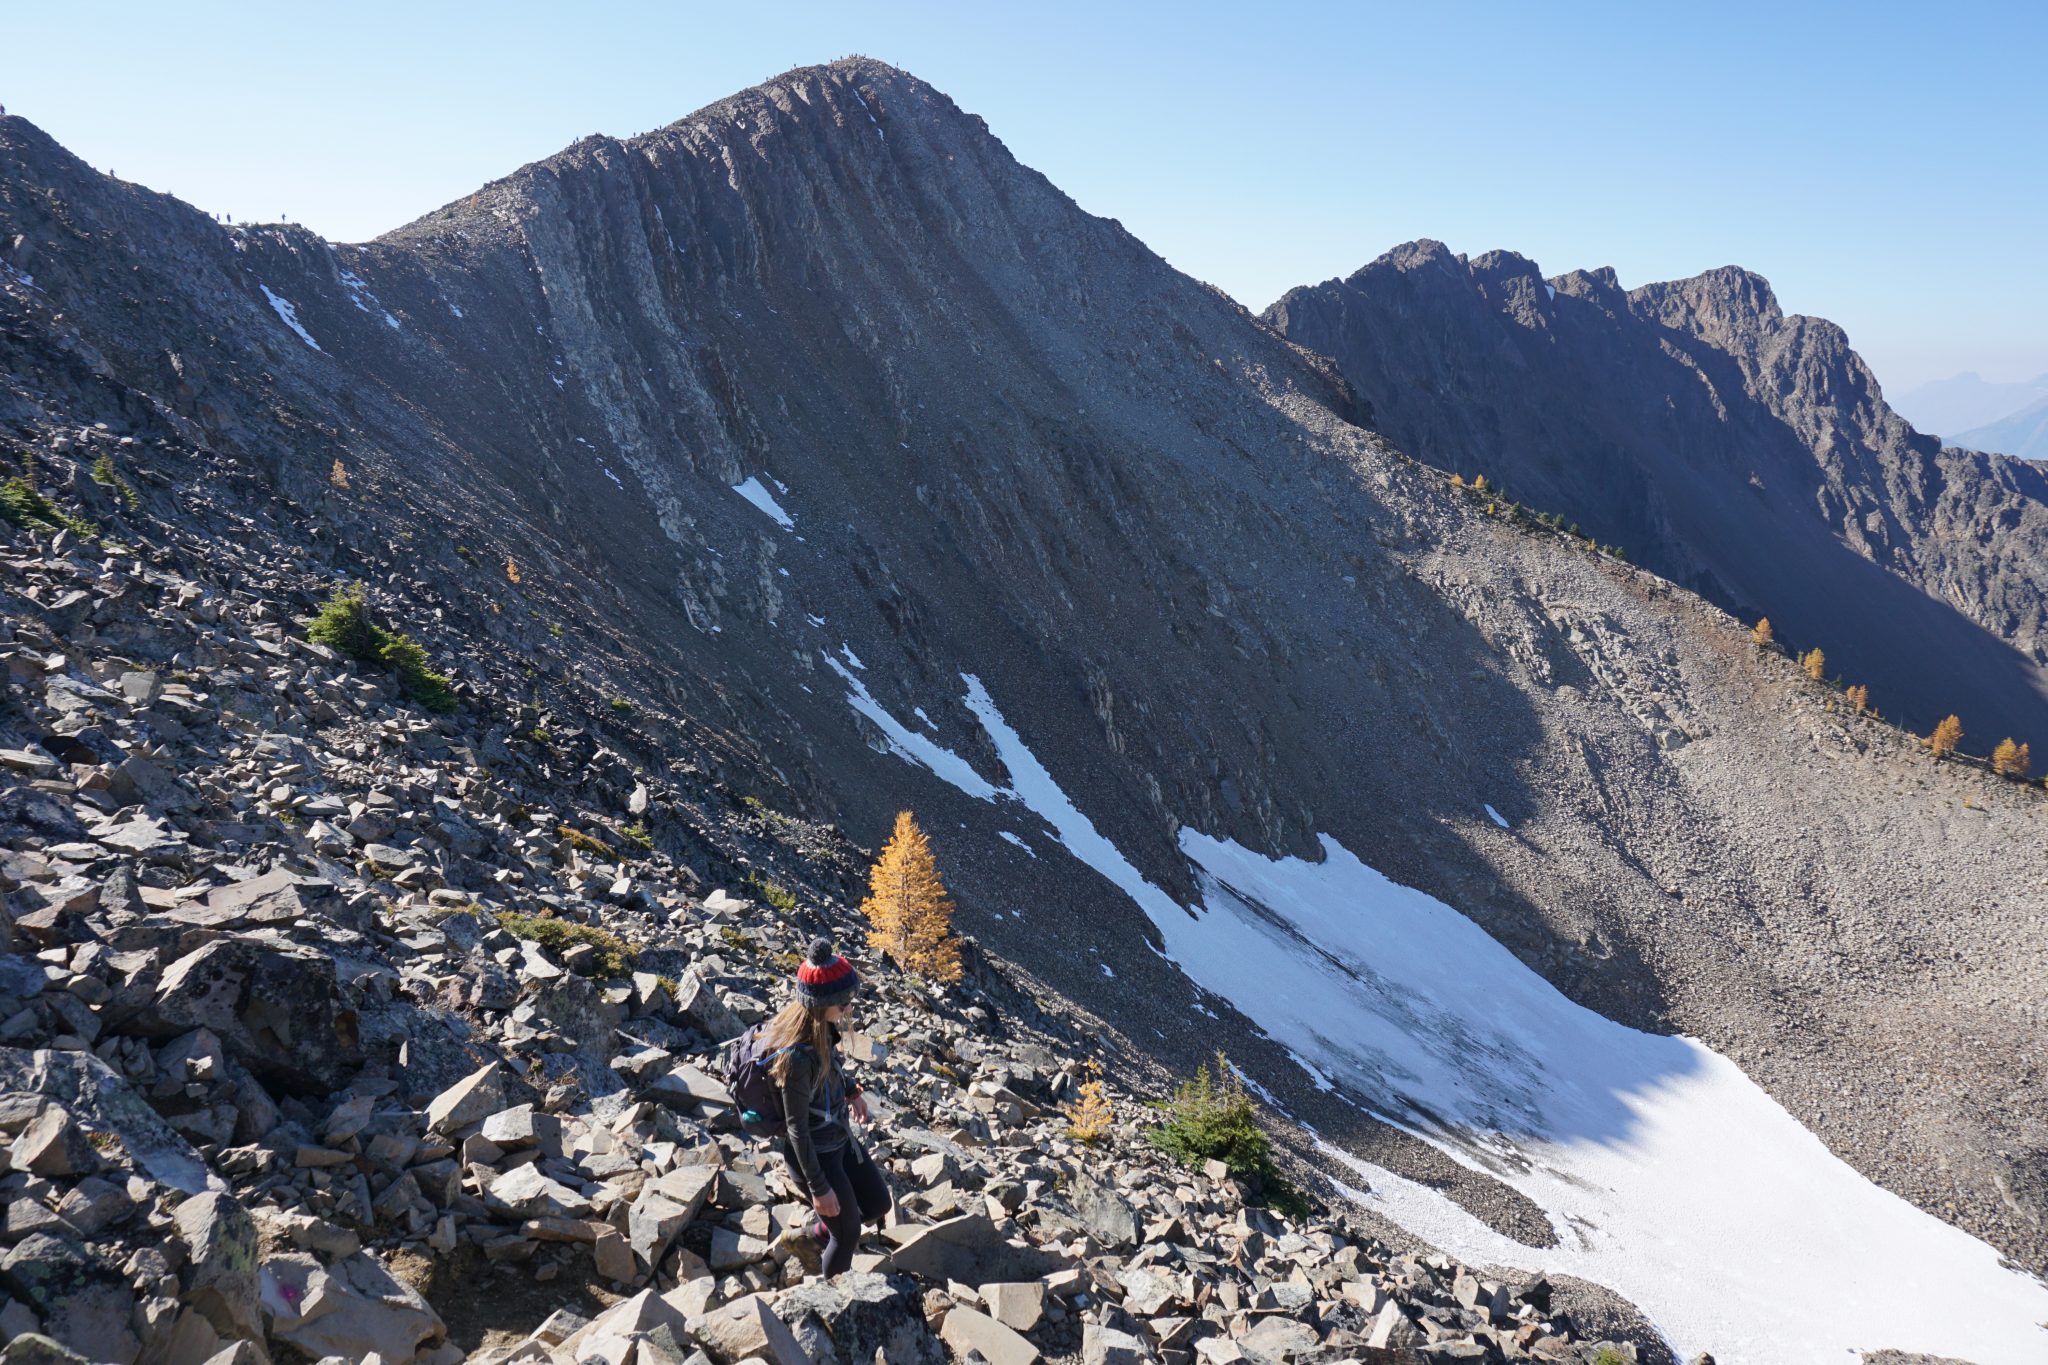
(793, 1024)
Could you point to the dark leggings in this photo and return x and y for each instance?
(863, 1198)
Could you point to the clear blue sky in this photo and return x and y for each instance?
(1884, 164)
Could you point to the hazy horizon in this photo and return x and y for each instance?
(1255, 156)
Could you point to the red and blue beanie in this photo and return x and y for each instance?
(825, 978)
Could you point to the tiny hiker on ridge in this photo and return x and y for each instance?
(820, 1104)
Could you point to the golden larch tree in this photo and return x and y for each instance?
(1815, 663)
(1761, 636)
(909, 907)
(2010, 759)
(1089, 1117)
(1946, 736)
(1859, 697)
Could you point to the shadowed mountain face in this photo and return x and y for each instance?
(1743, 453)
(796, 414)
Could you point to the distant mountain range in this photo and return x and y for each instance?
(1964, 407)
(2023, 433)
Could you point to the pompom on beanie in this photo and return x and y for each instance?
(825, 978)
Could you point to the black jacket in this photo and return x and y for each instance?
(815, 1115)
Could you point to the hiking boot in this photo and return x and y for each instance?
(801, 1245)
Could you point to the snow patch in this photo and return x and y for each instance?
(871, 115)
(1031, 784)
(852, 658)
(1551, 290)
(814, 620)
(1498, 818)
(1670, 1176)
(918, 711)
(751, 489)
(1010, 838)
(1674, 1179)
(1266, 1097)
(359, 294)
(1316, 1076)
(288, 314)
(1106, 971)
(908, 744)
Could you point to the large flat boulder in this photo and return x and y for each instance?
(356, 1309)
(275, 897)
(220, 1276)
(26, 813)
(647, 1315)
(849, 1318)
(1018, 1304)
(699, 1006)
(529, 1193)
(577, 1009)
(275, 1006)
(967, 1329)
(79, 1293)
(970, 1249)
(665, 1207)
(145, 837)
(1104, 1213)
(1107, 1346)
(747, 1328)
(684, 1084)
(103, 1102)
(476, 1097)
(53, 1145)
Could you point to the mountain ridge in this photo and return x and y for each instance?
(1012, 444)
(1708, 431)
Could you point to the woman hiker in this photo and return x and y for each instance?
(818, 1100)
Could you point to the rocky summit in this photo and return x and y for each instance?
(713, 495)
